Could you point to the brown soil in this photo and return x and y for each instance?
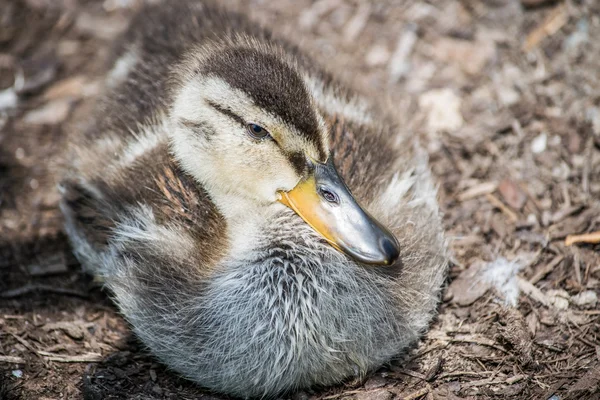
(505, 99)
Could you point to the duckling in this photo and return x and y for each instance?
(262, 227)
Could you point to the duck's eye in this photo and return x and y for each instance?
(257, 131)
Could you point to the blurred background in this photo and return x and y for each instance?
(503, 94)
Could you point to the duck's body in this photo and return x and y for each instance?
(233, 290)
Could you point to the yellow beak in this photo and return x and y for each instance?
(325, 203)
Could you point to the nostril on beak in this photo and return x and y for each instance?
(390, 249)
(328, 195)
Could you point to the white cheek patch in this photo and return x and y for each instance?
(229, 165)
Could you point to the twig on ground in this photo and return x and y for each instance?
(25, 343)
(12, 359)
(417, 394)
(489, 381)
(546, 269)
(529, 289)
(335, 396)
(549, 26)
(498, 204)
(399, 64)
(478, 190)
(410, 373)
(589, 238)
(464, 373)
(481, 342)
(29, 288)
(81, 358)
(357, 23)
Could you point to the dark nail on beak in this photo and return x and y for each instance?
(390, 250)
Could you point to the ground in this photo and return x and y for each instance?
(503, 94)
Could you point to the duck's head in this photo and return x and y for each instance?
(246, 127)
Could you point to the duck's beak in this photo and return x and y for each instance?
(323, 200)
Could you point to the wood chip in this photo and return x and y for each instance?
(415, 395)
(49, 114)
(357, 23)
(71, 87)
(468, 287)
(477, 191)
(500, 205)
(399, 65)
(512, 194)
(81, 358)
(29, 288)
(541, 273)
(311, 16)
(589, 238)
(49, 264)
(552, 24)
(75, 329)
(530, 290)
(12, 359)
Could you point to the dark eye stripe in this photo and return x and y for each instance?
(228, 113)
(298, 161)
(205, 128)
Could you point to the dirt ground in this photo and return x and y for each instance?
(503, 94)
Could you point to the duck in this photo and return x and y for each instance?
(262, 226)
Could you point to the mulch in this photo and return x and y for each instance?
(503, 94)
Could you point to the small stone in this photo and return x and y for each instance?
(153, 375)
(48, 265)
(400, 65)
(468, 287)
(578, 38)
(8, 99)
(375, 382)
(533, 323)
(558, 298)
(374, 395)
(103, 27)
(68, 48)
(378, 55)
(512, 194)
(157, 389)
(50, 114)
(507, 95)
(443, 110)
(17, 373)
(70, 87)
(532, 219)
(71, 329)
(470, 56)
(538, 145)
(587, 299)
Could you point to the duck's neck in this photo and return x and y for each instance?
(246, 218)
